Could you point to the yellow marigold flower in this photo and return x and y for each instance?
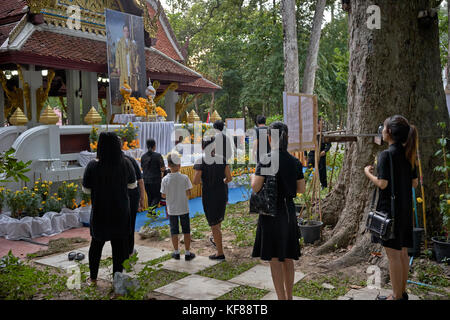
(25, 188)
(43, 202)
(419, 200)
(33, 194)
(50, 182)
(43, 185)
(59, 199)
(36, 189)
(448, 201)
(45, 193)
(36, 182)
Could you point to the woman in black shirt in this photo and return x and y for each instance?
(277, 238)
(401, 137)
(153, 167)
(108, 179)
(214, 175)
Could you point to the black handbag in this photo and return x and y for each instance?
(379, 223)
(264, 202)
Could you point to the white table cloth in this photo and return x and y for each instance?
(162, 132)
(84, 157)
(124, 118)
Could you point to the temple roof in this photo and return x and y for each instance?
(57, 47)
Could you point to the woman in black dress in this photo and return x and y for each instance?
(108, 179)
(214, 176)
(277, 238)
(401, 137)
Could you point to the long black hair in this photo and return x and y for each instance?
(112, 165)
(282, 134)
(401, 131)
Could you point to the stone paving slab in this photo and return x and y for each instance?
(59, 261)
(370, 294)
(195, 287)
(197, 264)
(260, 277)
(272, 295)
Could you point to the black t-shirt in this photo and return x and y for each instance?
(137, 170)
(403, 176)
(110, 218)
(290, 170)
(151, 163)
(212, 174)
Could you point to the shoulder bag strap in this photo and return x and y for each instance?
(392, 186)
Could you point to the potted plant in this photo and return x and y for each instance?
(442, 243)
(2, 197)
(310, 227)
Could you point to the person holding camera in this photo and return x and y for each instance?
(401, 137)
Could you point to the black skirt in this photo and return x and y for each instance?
(277, 237)
(214, 203)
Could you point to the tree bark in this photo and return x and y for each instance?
(309, 74)
(448, 53)
(290, 46)
(393, 70)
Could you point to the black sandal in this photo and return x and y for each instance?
(79, 256)
(72, 255)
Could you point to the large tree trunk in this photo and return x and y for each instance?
(309, 74)
(290, 46)
(448, 53)
(394, 70)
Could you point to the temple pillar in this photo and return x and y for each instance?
(34, 80)
(170, 99)
(2, 107)
(90, 91)
(73, 99)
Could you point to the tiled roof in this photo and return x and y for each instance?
(5, 30)
(10, 8)
(199, 85)
(163, 43)
(56, 50)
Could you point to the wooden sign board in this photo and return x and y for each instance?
(300, 115)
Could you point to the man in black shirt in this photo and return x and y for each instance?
(324, 148)
(226, 148)
(261, 130)
(153, 167)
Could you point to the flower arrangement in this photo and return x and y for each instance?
(68, 192)
(160, 111)
(93, 139)
(138, 108)
(128, 135)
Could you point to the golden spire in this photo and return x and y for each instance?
(215, 116)
(18, 118)
(92, 117)
(49, 116)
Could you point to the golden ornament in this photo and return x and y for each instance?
(215, 116)
(49, 116)
(92, 117)
(18, 118)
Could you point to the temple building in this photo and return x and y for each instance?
(43, 55)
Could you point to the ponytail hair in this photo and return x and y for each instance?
(282, 134)
(402, 132)
(411, 145)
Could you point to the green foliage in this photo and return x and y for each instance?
(239, 45)
(19, 281)
(227, 270)
(276, 117)
(10, 167)
(313, 289)
(244, 293)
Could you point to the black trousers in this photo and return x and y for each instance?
(134, 206)
(322, 169)
(119, 255)
(153, 190)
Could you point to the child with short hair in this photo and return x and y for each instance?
(175, 187)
